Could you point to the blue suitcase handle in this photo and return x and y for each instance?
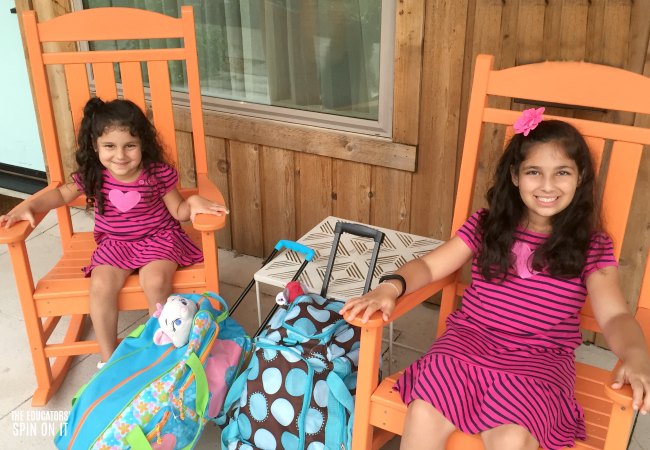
(296, 247)
(307, 252)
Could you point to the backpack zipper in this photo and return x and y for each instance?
(155, 433)
(204, 355)
(83, 388)
(163, 421)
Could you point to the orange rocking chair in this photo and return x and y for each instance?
(379, 411)
(64, 291)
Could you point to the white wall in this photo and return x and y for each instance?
(20, 144)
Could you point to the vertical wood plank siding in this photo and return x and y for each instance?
(280, 193)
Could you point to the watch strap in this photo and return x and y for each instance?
(394, 276)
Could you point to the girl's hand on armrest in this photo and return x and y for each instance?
(201, 205)
(622, 333)
(636, 372)
(40, 202)
(382, 298)
(22, 211)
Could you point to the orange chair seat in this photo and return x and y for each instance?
(67, 277)
(388, 411)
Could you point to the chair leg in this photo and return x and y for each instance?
(367, 381)
(210, 260)
(380, 438)
(33, 324)
(61, 365)
(620, 428)
(632, 428)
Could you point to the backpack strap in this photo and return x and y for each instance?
(137, 440)
(136, 437)
(202, 390)
(234, 393)
(223, 313)
(341, 393)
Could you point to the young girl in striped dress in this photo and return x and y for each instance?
(505, 366)
(123, 173)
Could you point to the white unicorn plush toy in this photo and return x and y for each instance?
(175, 320)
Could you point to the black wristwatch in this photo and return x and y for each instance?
(394, 276)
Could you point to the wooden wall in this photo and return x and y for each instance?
(281, 179)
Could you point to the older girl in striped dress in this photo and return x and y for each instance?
(123, 173)
(505, 366)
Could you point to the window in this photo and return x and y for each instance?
(323, 63)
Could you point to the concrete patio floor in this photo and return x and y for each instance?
(25, 427)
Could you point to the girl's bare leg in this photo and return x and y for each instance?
(509, 437)
(156, 281)
(425, 428)
(105, 285)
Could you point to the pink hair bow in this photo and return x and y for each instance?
(528, 120)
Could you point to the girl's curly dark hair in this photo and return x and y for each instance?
(563, 253)
(99, 117)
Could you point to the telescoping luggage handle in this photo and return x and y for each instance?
(307, 252)
(340, 228)
(361, 231)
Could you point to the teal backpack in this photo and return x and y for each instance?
(158, 395)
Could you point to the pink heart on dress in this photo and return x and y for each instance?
(523, 260)
(124, 201)
(168, 443)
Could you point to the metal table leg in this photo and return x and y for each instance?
(259, 303)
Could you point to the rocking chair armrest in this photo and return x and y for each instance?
(21, 230)
(623, 396)
(209, 222)
(406, 303)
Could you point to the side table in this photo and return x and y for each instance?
(351, 267)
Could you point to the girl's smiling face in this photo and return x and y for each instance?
(547, 180)
(120, 153)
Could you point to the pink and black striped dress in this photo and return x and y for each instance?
(507, 356)
(136, 227)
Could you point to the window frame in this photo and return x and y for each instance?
(382, 127)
